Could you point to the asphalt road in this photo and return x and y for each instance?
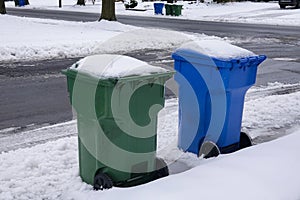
(34, 93)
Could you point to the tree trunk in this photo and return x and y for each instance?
(59, 4)
(81, 2)
(26, 2)
(2, 7)
(108, 10)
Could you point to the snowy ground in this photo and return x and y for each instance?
(244, 12)
(78, 39)
(264, 171)
(73, 39)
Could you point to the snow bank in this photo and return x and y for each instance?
(267, 171)
(111, 66)
(50, 171)
(45, 38)
(216, 49)
(271, 113)
(41, 172)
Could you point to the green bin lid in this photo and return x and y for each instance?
(113, 68)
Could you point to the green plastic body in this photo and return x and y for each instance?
(116, 131)
(176, 9)
(173, 9)
(169, 10)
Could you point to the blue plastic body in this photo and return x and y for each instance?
(195, 116)
(21, 2)
(158, 8)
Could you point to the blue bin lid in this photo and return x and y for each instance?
(217, 53)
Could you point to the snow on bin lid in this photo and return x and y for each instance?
(216, 49)
(114, 66)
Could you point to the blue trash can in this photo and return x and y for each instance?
(158, 8)
(21, 2)
(211, 98)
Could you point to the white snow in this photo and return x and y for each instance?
(243, 12)
(29, 39)
(265, 115)
(11, 141)
(78, 39)
(268, 171)
(264, 171)
(112, 66)
(216, 49)
(285, 59)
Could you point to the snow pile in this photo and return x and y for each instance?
(40, 172)
(50, 171)
(267, 171)
(270, 113)
(111, 66)
(167, 124)
(45, 38)
(215, 48)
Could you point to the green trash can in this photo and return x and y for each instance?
(169, 10)
(176, 9)
(117, 120)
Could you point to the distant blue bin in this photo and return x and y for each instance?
(21, 2)
(158, 8)
(197, 74)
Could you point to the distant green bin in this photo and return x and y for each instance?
(105, 147)
(169, 10)
(176, 9)
(173, 9)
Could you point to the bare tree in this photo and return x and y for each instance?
(108, 10)
(2, 7)
(81, 2)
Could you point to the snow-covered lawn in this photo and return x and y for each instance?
(264, 171)
(245, 12)
(33, 39)
(27, 38)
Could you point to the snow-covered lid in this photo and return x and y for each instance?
(114, 66)
(214, 48)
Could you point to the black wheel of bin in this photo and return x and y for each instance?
(162, 169)
(102, 181)
(297, 4)
(245, 140)
(209, 149)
